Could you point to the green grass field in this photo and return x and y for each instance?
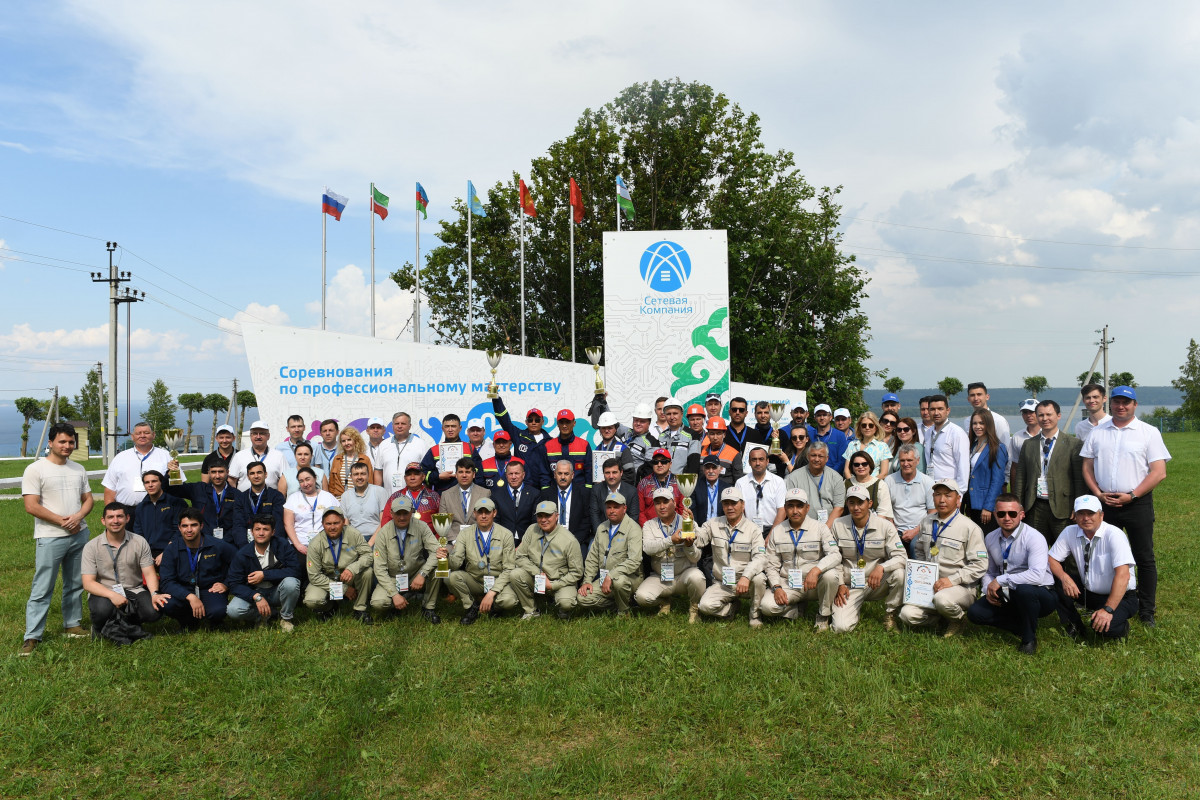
(609, 708)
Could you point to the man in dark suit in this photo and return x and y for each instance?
(1048, 476)
(706, 504)
(515, 502)
(574, 502)
(612, 483)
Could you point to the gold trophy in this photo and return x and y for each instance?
(593, 354)
(441, 523)
(687, 485)
(174, 442)
(493, 357)
(777, 410)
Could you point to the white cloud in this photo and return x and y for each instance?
(348, 304)
(231, 342)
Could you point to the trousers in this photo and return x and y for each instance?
(51, 555)
(101, 609)
(717, 600)
(845, 618)
(1026, 604)
(285, 596)
(1137, 519)
(951, 603)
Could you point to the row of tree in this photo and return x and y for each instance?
(1033, 384)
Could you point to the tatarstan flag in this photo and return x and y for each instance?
(379, 202)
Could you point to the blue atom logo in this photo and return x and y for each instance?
(666, 267)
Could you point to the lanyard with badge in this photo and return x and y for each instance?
(312, 518)
(218, 503)
(1043, 486)
(728, 575)
(539, 580)
(933, 437)
(254, 511)
(398, 476)
(713, 491)
(402, 545)
(666, 571)
(822, 513)
(858, 575)
(795, 575)
(612, 533)
(337, 589)
(485, 557)
(194, 563)
(117, 587)
(935, 532)
(142, 459)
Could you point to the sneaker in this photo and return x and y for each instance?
(1147, 620)
(530, 615)
(664, 610)
(693, 614)
(889, 621)
(432, 616)
(756, 623)
(286, 625)
(822, 624)
(955, 628)
(28, 647)
(76, 632)
(471, 615)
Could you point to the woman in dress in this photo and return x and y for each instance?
(868, 441)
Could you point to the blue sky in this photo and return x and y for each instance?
(199, 137)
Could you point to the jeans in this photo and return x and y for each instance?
(1020, 614)
(52, 553)
(284, 596)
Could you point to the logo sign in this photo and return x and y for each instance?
(665, 267)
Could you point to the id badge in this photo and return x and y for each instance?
(603, 575)
(796, 579)
(119, 589)
(336, 590)
(249, 535)
(1043, 488)
(397, 481)
(402, 582)
(858, 578)
(728, 576)
(488, 582)
(539, 583)
(823, 515)
(218, 533)
(666, 572)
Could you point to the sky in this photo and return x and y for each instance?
(1014, 176)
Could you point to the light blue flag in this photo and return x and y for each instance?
(473, 201)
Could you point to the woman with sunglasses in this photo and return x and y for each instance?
(862, 468)
(908, 432)
(887, 428)
(795, 449)
(989, 464)
(868, 442)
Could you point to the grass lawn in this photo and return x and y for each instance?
(601, 707)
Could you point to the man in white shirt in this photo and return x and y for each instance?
(1093, 401)
(912, 494)
(763, 492)
(947, 449)
(396, 452)
(1107, 587)
(375, 434)
(1018, 439)
(1017, 582)
(123, 480)
(259, 451)
(287, 448)
(977, 396)
(1123, 460)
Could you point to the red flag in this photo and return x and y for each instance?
(576, 202)
(527, 201)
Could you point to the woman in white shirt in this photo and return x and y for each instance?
(303, 509)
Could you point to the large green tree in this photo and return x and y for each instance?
(193, 403)
(1188, 382)
(1035, 384)
(30, 409)
(693, 160)
(161, 411)
(245, 399)
(950, 386)
(215, 403)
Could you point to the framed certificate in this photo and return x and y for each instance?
(598, 459)
(919, 578)
(449, 453)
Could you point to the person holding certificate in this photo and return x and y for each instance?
(955, 543)
(872, 564)
(796, 549)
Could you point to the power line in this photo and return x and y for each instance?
(191, 316)
(1025, 239)
(51, 258)
(10, 260)
(49, 228)
(951, 260)
(190, 286)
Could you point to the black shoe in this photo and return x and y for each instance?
(1147, 620)
(471, 615)
(1073, 632)
(563, 614)
(1028, 648)
(432, 616)
(324, 616)
(364, 617)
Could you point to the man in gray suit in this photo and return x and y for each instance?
(1048, 476)
(459, 501)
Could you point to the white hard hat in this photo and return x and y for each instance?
(643, 411)
(607, 418)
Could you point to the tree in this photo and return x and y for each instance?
(193, 403)
(950, 386)
(245, 399)
(216, 403)
(1188, 382)
(31, 409)
(1114, 379)
(161, 412)
(1035, 384)
(90, 406)
(894, 385)
(693, 160)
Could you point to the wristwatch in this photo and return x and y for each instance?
(257, 597)
(776, 587)
(1110, 609)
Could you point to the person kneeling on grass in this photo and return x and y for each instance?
(339, 567)
(548, 561)
(482, 564)
(194, 570)
(872, 564)
(114, 566)
(799, 550)
(673, 558)
(739, 555)
(405, 558)
(265, 575)
(612, 571)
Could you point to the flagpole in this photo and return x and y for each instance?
(470, 297)
(617, 200)
(323, 215)
(521, 214)
(571, 210)
(372, 260)
(417, 296)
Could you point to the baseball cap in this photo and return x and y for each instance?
(475, 423)
(717, 424)
(661, 452)
(566, 414)
(841, 412)
(712, 397)
(606, 419)
(696, 408)
(615, 497)
(822, 407)
(413, 466)
(797, 495)
(335, 511)
(858, 492)
(484, 504)
(800, 406)
(545, 507)
(376, 421)
(258, 424)
(1087, 502)
(890, 397)
(711, 458)
(666, 493)
(672, 401)
(226, 429)
(949, 483)
(643, 411)
(1123, 391)
(403, 503)
(732, 493)
(535, 412)
(1029, 405)
(501, 436)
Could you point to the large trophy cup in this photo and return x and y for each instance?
(493, 357)
(777, 410)
(687, 485)
(593, 354)
(441, 524)
(174, 442)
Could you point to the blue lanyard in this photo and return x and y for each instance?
(194, 562)
(733, 538)
(565, 499)
(674, 528)
(860, 543)
(1005, 549)
(713, 491)
(484, 552)
(936, 533)
(796, 539)
(313, 517)
(821, 482)
(329, 456)
(253, 505)
(337, 554)
(402, 541)
(612, 532)
(142, 459)
(218, 500)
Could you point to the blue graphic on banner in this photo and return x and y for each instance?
(666, 267)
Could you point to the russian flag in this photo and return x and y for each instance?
(333, 204)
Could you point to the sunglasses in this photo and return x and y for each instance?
(737, 410)
(903, 429)
(868, 426)
(799, 438)
(858, 464)
(1006, 514)
(887, 422)
(661, 461)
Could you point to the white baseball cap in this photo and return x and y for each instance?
(842, 412)
(1087, 502)
(225, 429)
(376, 421)
(258, 425)
(475, 423)
(822, 407)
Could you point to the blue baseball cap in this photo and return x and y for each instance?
(890, 398)
(1124, 391)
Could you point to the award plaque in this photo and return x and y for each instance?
(598, 459)
(448, 455)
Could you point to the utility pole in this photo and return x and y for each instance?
(51, 418)
(1104, 343)
(100, 405)
(129, 297)
(113, 280)
(233, 412)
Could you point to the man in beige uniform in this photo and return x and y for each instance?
(673, 559)
(613, 568)
(548, 560)
(339, 566)
(872, 563)
(739, 556)
(404, 554)
(482, 564)
(795, 550)
(955, 543)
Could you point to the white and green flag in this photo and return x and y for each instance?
(623, 199)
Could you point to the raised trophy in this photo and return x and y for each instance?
(493, 357)
(777, 410)
(687, 485)
(175, 441)
(441, 524)
(593, 354)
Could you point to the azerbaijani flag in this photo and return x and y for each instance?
(527, 201)
(333, 204)
(379, 202)
(473, 201)
(623, 199)
(422, 201)
(576, 202)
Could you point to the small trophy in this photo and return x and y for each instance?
(493, 357)
(593, 354)
(174, 442)
(777, 410)
(687, 485)
(441, 523)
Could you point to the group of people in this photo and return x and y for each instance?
(681, 502)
